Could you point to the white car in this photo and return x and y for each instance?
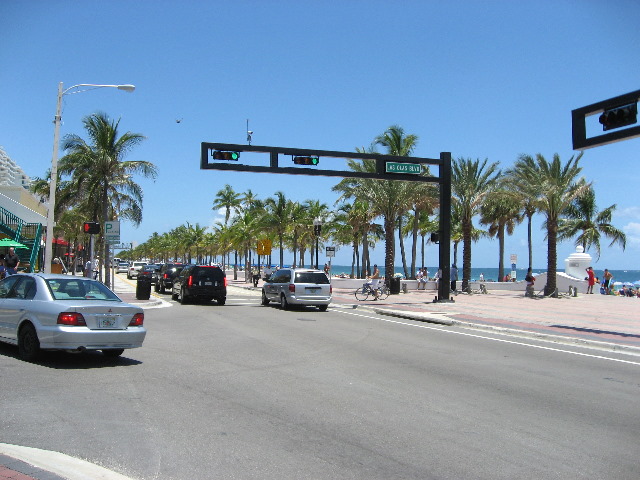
(298, 286)
(64, 312)
(123, 267)
(134, 268)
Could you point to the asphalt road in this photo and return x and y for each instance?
(249, 392)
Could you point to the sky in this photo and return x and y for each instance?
(480, 79)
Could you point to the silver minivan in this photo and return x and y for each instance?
(298, 286)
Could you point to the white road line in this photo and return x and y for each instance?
(440, 329)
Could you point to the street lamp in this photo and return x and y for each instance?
(48, 250)
(317, 229)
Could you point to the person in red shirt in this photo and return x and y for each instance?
(591, 279)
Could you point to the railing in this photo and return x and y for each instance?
(29, 234)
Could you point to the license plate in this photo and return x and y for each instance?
(312, 290)
(208, 283)
(107, 322)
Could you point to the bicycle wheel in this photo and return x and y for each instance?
(383, 292)
(362, 293)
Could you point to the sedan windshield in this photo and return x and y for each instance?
(77, 289)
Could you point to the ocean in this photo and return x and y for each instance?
(491, 274)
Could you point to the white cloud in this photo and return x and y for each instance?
(632, 230)
(632, 212)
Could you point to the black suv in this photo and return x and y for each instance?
(167, 273)
(200, 282)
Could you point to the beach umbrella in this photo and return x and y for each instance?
(636, 283)
(7, 242)
(618, 284)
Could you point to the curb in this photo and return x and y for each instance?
(60, 464)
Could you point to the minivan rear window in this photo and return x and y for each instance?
(311, 277)
(214, 273)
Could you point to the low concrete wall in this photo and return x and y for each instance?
(563, 281)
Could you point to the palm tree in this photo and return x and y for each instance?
(583, 221)
(277, 218)
(228, 199)
(557, 186)
(471, 183)
(398, 143)
(501, 211)
(98, 170)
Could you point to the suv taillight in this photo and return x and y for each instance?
(71, 318)
(292, 288)
(226, 284)
(190, 281)
(137, 320)
(165, 276)
(330, 288)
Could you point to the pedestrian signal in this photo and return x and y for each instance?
(91, 227)
(619, 117)
(219, 155)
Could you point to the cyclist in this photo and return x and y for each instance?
(375, 278)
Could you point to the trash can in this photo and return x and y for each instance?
(394, 286)
(143, 287)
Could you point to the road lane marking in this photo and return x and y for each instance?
(502, 340)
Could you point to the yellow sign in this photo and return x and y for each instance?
(264, 247)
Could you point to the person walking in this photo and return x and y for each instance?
(454, 277)
(530, 279)
(591, 280)
(606, 281)
(11, 262)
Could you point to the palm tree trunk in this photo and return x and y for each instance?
(501, 252)
(529, 241)
(389, 248)
(402, 251)
(466, 255)
(414, 247)
(552, 257)
(105, 212)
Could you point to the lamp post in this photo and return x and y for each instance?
(317, 229)
(48, 249)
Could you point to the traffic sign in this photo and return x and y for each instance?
(112, 231)
(122, 246)
(264, 247)
(397, 167)
(331, 251)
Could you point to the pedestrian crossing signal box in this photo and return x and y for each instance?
(91, 228)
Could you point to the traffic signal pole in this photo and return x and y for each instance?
(388, 167)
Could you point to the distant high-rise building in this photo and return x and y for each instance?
(11, 174)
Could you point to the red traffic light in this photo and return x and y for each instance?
(91, 228)
(619, 117)
(219, 155)
(306, 160)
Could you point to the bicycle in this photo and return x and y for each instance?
(366, 290)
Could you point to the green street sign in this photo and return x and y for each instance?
(395, 167)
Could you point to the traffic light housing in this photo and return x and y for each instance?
(91, 227)
(306, 160)
(619, 117)
(220, 155)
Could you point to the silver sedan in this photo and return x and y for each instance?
(64, 312)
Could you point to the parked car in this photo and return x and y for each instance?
(62, 312)
(298, 286)
(200, 282)
(134, 268)
(167, 273)
(123, 267)
(150, 270)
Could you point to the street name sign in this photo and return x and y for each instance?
(397, 167)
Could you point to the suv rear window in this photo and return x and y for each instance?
(207, 273)
(311, 277)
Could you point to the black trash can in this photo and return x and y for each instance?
(394, 286)
(143, 287)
